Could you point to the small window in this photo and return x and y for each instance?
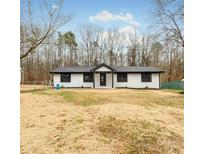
(146, 77)
(122, 77)
(88, 77)
(65, 77)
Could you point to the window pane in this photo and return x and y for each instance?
(122, 77)
(146, 77)
(65, 77)
(88, 77)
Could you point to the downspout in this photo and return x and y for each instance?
(112, 80)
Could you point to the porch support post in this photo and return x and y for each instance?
(52, 80)
(159, 80)
(93, 79)
(112, 80)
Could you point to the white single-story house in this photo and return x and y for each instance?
(104, 76)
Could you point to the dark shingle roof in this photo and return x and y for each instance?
(103, 64)
(83, 69)
(136, 69)
(74, 69)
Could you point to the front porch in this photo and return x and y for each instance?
(103, 80)
(103, 76)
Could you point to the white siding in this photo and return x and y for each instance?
(76, 81)
(103, 69)
(134, 81)
(108, 80)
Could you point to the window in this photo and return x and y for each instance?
(65, 77)
(146, 77)
(121, 77)
(88, 77)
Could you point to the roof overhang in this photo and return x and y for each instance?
(140, 71)
(101, 65)
(69, 72)
(96, 69)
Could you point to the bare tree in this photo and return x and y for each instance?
(90, 42)
(156, 49)
(113, 44)
(36, 28)
(97, 46)
(169, 20)
(147, 42)
(133, 42)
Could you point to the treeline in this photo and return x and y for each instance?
(44, 48)
(95, 46)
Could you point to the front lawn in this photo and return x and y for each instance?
(101, 121)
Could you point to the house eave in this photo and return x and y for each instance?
(111, 72)
(105, 65)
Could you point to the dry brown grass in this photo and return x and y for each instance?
(139, 136)
(101, 121)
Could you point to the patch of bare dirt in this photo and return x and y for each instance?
(32, 87)
(164, 93)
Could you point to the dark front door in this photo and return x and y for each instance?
(102, 79)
